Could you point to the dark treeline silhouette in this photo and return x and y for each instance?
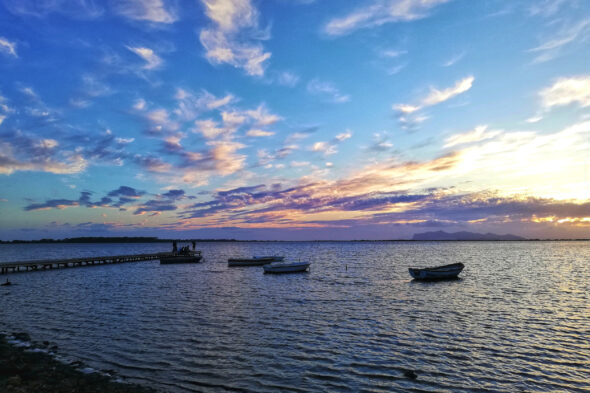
(124, 239)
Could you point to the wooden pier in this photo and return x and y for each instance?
(6, 267)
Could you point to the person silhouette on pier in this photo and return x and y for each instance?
(174, 246)
(194, 244)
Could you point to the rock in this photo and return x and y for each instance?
(14, 381)
(22, 336)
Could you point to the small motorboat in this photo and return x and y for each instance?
(286, 267)
(180, 257)
(445, 272)
(254, 261)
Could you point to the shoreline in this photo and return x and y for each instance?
(31, 367)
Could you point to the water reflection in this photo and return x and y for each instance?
(517, 319)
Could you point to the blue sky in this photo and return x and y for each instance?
(279, 119)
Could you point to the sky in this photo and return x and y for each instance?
(294, 119)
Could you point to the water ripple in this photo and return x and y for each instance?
(517, 321)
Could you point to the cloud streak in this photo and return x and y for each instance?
(381, 12)
(409, 114)
(8, 47)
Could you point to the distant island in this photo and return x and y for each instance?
(464, 235)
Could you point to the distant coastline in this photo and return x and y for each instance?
(438, 236)
(120, 239)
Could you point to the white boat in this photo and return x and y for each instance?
(286, 267)
(254, 261)
(437, 273)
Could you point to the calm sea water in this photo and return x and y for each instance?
(517, 321)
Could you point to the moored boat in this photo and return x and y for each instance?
(437, 273)
(286, 267)
(180, 257)
(254, 261)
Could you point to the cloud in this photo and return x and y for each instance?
(566, 91)
(324, 147)
(164, 202)
(92, 86)
(84, 200)
(408, 114)
(24, 152)
(234, 119)
(191, 105)
(568, 35)
(152, 163)
(437, 96)
(126, 191)
(343, 136)
(7, 47)
(174, 194)
(262, 117)
(288, 78)
(209, 129)
(154, 11)
(76, 9)
(453, 60)
(479, 134)
(259, 133)
(153, 61)
(327, 91)
(547, 8)
(329, 148)
(235, 36)
(380, 12)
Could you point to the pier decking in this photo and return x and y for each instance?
(6, 267)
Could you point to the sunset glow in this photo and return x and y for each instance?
(280, 120)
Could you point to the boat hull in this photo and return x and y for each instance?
(446, 272)
(194, 257)
(286, 267)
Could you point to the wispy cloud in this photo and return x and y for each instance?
(288, 78)
(567, 35)
(235, 36)
(331, 147)
(152, 60)
(380, 12)
(479, 134)
(8, 47)
(154, 11)
(327, 91)
(437, 96)
(547, 8)
(408, 114)
(259, 133)
(454, 59)
(76, 9)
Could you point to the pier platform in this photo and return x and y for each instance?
(22, 266)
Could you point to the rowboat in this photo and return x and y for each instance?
(254, 261)
(437, 273)
(286, 267)
(180, 257)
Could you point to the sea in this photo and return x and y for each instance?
(517, 320)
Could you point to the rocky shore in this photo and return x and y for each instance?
(33, 369)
